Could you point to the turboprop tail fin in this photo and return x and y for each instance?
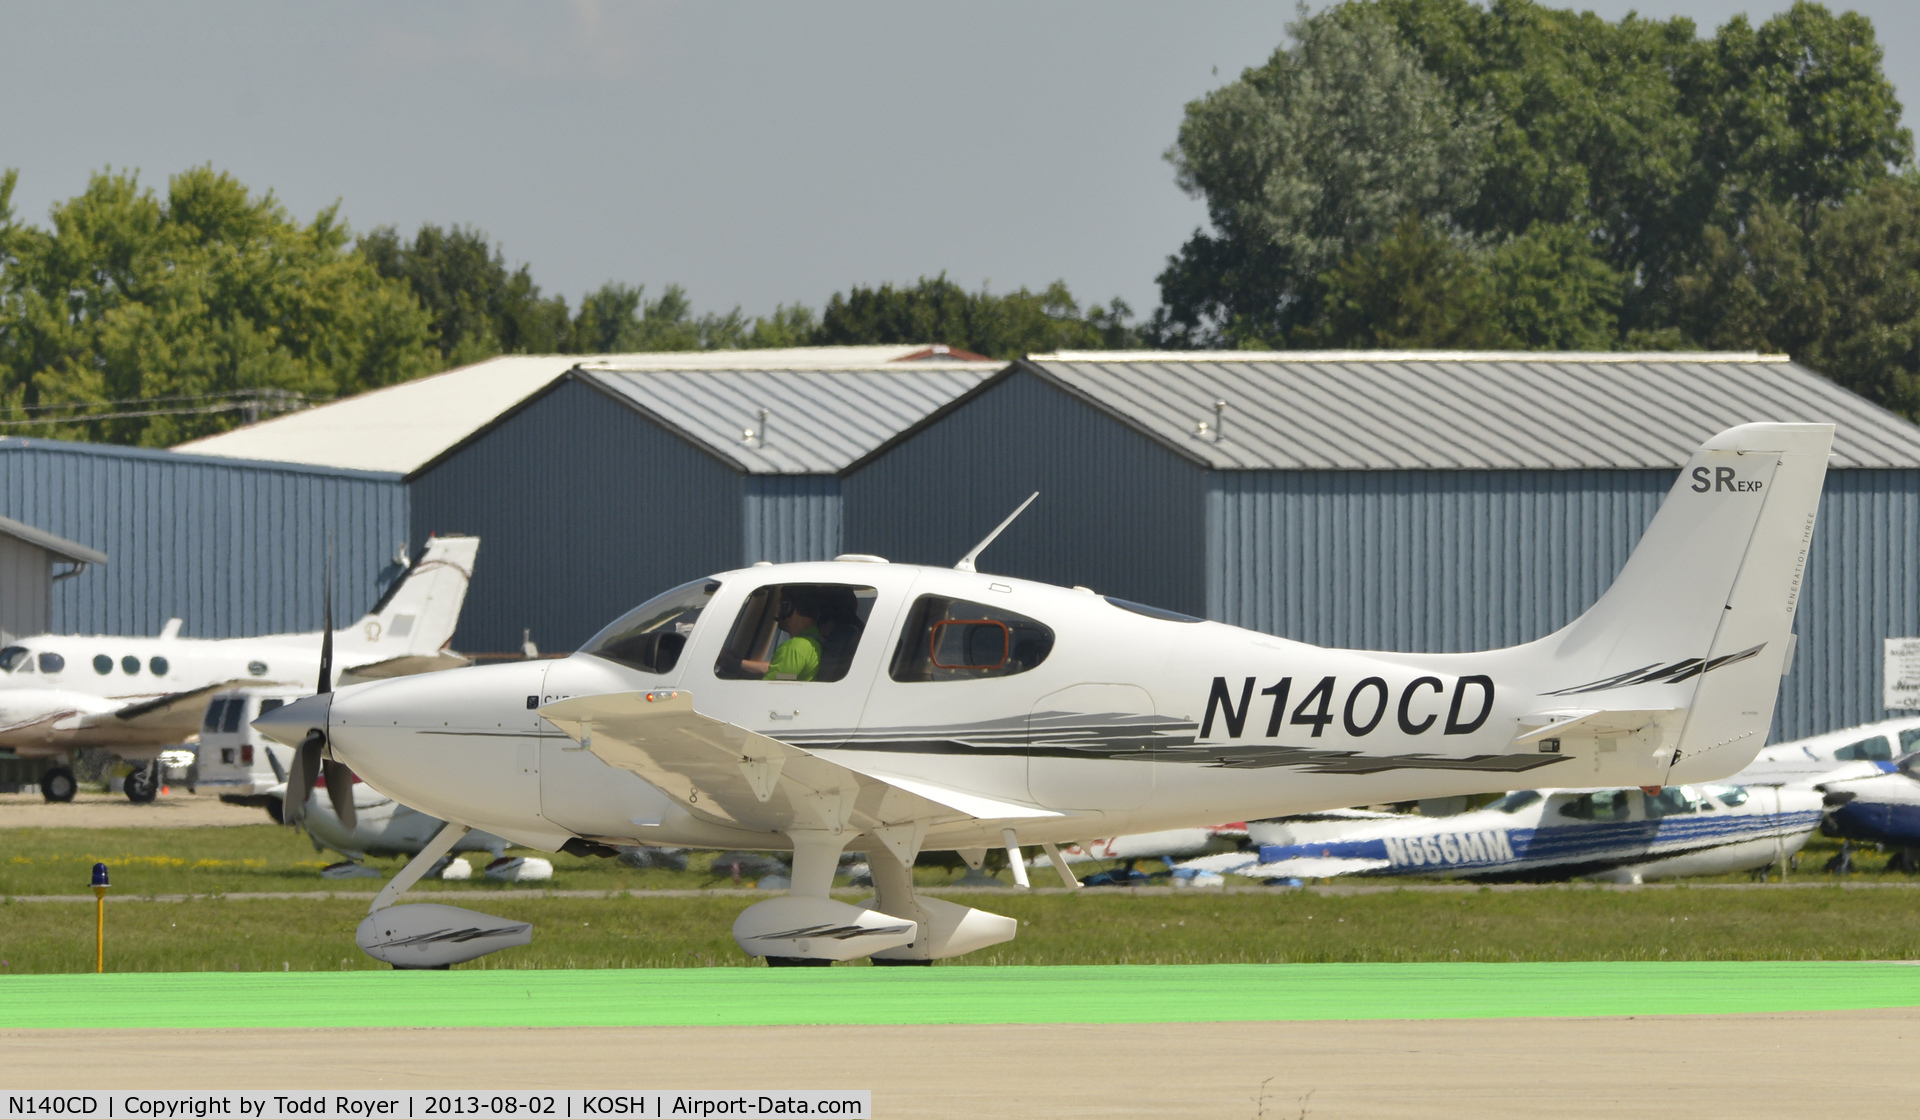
(419, 612)
(1700, 621)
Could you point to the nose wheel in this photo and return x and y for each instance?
(143, 783)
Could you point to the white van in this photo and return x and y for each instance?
(234, 758)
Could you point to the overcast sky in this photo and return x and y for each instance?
(755, 154)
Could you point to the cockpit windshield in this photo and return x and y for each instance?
(650, 636)
(16, 658)
(1517, 800)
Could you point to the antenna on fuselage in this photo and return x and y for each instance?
(966, 562)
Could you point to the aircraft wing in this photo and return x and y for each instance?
(406, 665)
(729, 775)
(157, 720)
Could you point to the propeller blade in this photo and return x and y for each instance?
(326, 635)
(340, 791)
(300, 779)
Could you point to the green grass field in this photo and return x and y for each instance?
(209, 932)
(1082, 994)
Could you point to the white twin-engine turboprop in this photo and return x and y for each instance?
(135, 696)
(933, 708)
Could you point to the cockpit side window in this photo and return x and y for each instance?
(650, 636)
(796, 632)
(16, 659)
(1607, 805)
(958, 640)
(1876, 749)
(1672, 801)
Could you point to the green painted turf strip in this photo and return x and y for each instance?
(1059, 994)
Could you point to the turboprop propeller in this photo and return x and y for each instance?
(313, 757)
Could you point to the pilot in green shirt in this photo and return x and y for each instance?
(799, 658)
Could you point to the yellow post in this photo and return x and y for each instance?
(99, 917)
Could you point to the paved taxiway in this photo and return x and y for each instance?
(1774, 1065)
(177, 809)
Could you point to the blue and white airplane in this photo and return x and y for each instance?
(1863, 751)
(1619, 835)
(1877, 809)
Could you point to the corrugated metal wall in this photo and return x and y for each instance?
(791, 517)
(25, 594)
(232, 547)
(1443, 561)
(1862, 586)
(1116, 513)
(584, 509)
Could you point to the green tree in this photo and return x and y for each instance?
(1416, 288)
(479, 307)
(180, 314)
(1318, 153)
(1001, 326)
(1842, 297)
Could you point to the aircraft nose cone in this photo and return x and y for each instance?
(290, 723)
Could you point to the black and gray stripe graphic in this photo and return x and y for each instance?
(1133, 737)
(1661, 674)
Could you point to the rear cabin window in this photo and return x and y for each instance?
(959, 640)
(1876, 749)
(650, 636)
(102, 664)
(796, 631)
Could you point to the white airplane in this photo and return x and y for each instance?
(929, 708)
(137, 696)
(381, 826)
(1862, 751)
(1619, 835)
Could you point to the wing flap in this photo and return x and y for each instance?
(727, 774)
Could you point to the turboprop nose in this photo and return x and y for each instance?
(289, 723)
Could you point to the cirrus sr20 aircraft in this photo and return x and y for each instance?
(952, 709)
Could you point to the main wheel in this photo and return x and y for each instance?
(143, 785)
(57, 784)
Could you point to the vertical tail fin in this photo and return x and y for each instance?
(1701, 617)
(419, 612)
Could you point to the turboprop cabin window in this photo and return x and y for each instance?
(1876, 749)
(650, 636)
(957, 640)
(825, 619)
(16, 659)
(52, 663)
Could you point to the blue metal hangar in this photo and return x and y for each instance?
(595, 484)
(1407, 501)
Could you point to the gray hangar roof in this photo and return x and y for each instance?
(48, 543)
(407, 428)
(818, 421)
(1398, 410)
